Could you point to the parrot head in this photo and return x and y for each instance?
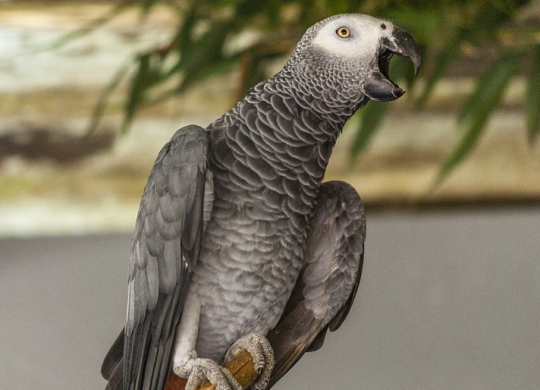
(350, 54)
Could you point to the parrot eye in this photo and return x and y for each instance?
(343, 32)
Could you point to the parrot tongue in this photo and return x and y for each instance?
(378, 85)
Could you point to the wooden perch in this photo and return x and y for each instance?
(241, 367)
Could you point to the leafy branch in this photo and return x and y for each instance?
(203, 45)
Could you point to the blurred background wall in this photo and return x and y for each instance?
(451, 283)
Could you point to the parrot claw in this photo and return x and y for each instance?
(198, 370)
(263, 357)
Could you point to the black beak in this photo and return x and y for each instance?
(378, 85)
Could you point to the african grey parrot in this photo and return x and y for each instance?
(238, 244)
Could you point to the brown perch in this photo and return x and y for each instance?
(241, 367)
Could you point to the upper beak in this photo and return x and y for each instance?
(378, 86)
(401, 43)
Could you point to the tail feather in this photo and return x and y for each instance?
(116, 380)
(112, 368)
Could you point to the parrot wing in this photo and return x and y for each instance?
(165, 249)
(327, 284)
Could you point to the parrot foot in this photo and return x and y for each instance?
(263, 357)
(197, 370)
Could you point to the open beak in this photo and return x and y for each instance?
(378, 85)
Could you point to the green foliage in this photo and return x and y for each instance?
(89, 27)
(443, 60)
(445, 29)
(533, 96)
(371, 118)
(479, 107)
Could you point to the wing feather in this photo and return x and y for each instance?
(329, 280)
(165, 248)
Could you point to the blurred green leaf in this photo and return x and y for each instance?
(479, 107)
(139, 86)
(342, 6)
(371, 117)
(201, 54)
(489, 89)
(91, 26)
(423, 24)
(533, 96)
(443, 60)
(105, 96)
(212, 70)
(146, 6)
(486, 21)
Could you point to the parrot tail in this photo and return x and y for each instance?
(112, 368)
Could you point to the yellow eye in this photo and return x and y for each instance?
(343, 32)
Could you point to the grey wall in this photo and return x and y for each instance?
(448, 300)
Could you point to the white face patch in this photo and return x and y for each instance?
(363, 40)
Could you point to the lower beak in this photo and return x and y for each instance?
(378, 86)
